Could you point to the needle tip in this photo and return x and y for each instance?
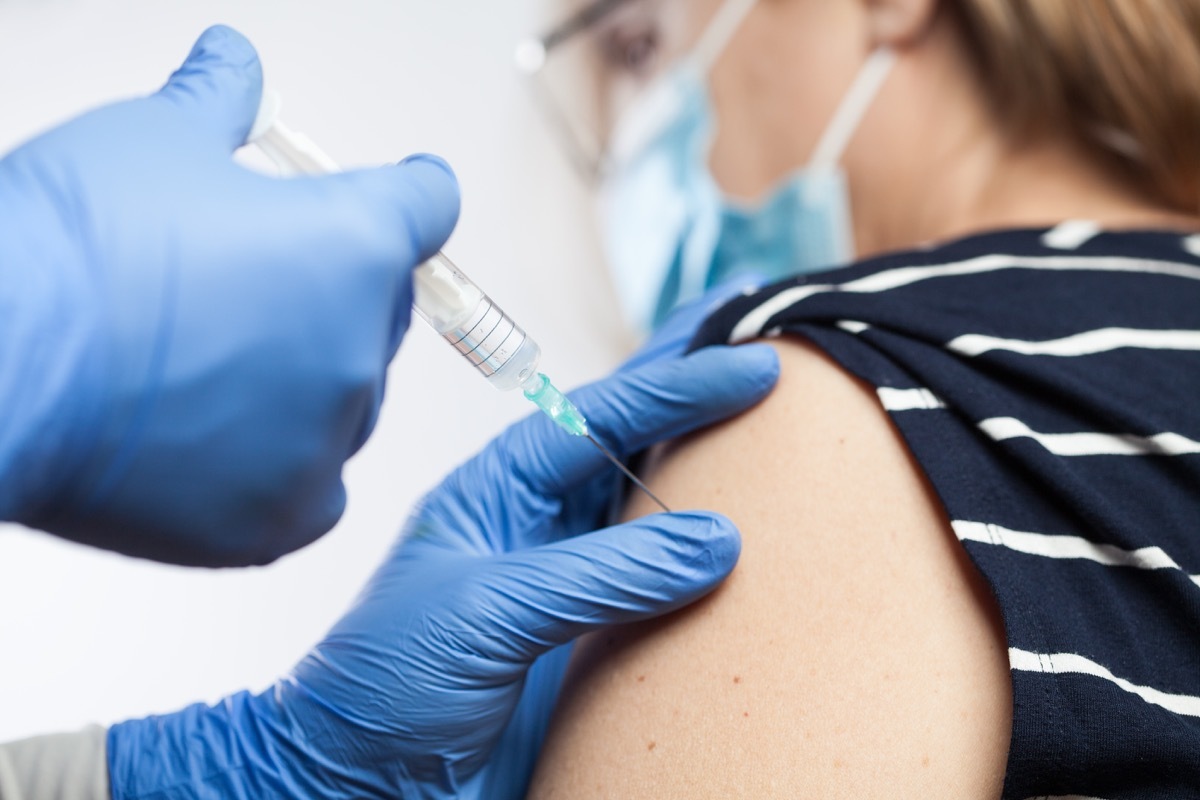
(628, 474)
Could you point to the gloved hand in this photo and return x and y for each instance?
(409, 693)
(190, 351)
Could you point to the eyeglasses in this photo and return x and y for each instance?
(584, 71)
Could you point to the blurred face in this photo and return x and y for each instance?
(774, 87)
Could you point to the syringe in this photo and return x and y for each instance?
(447, 299)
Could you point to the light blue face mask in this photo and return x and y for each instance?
(669, 231)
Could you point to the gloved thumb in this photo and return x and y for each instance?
(218, 87)
(403, 213)
(550, 595)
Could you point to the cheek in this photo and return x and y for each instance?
(776, 88)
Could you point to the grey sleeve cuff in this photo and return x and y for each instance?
(64, 766)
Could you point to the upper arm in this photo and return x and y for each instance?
(854, 652)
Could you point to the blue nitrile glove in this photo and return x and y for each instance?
(675, 334)
(409, 693)
(189, 351)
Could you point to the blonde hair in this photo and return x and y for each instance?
(1120, 77)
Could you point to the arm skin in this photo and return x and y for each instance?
(854, 652)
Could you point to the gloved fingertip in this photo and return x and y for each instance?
(222, 44)
(433, 176)
(740, 286)
(425, 195)
(712, 539)
(762, 359)
(219, 85)
(757, 364)
(429, 158)
(752, 280)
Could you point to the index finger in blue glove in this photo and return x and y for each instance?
(635, 409)
(218, 87)
(547, 596)
(675, 334)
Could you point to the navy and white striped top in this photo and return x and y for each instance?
(1048, 382)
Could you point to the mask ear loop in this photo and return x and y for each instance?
(704, 54)
(720, 29)
(853, 107)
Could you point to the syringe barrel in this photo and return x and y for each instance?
(445, 298)
(490, 340)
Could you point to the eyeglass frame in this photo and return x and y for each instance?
(586, 152)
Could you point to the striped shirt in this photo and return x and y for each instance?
(1048, 383)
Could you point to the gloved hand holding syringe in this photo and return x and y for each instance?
(448, 300)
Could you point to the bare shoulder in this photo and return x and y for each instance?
(855, 651)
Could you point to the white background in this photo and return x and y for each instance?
(91, 637)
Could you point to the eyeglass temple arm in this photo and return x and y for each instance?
(531, 57)
(585, 18)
